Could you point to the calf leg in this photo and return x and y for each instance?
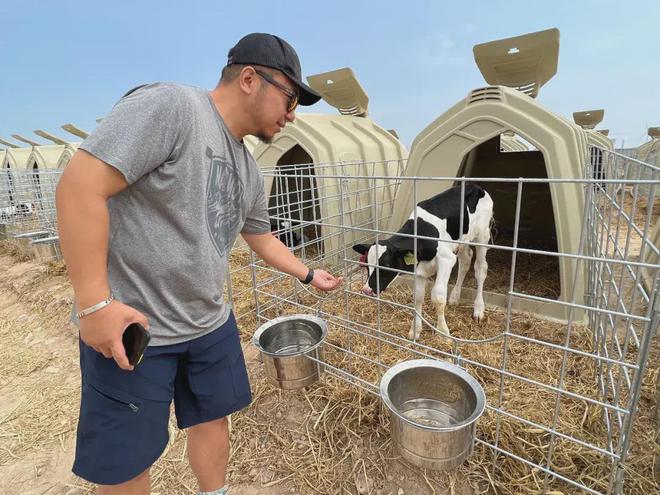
(464, 261)
(420, 293)
(446, 262)
(480, 269)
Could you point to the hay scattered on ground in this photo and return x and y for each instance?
(40, 397)
(333, 437)
(533, 361)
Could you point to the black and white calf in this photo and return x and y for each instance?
(288, 232)
(21, 209)
(437, 217)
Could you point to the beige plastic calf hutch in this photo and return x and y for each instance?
(8, 144)
(38, 233)
(649, 152)
(16, 158)
(72, 147)
(67, 152)
(45, 157)
(465, 141)
(509, 142)
(13, 159)
(597, 138)
(606, 133)
(588, 120)
(25, 140)
(41, 159)
(323, 141)
(75, 130)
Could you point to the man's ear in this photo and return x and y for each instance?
(247, 80)
(361, 248)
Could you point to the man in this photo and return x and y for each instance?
(148, 210)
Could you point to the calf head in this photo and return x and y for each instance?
(282, 230)
(25, 208)
(379, 259)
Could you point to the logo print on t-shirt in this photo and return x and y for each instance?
(224, 194)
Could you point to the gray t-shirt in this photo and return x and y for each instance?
(193, 188)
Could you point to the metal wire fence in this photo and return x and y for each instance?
(27, 211)
(559, 394)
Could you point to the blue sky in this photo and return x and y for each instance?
(69, 61)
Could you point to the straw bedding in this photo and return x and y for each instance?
(333, 437)
(356, 416)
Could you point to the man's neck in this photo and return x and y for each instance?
(227, 105)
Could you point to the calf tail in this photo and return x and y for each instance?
(492, 227)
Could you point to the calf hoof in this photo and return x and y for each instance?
(478, 314)
(454, 299)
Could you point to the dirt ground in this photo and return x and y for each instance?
(39, 401)
(39, 390)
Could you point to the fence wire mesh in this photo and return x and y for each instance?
(561, 395)
(27, 211)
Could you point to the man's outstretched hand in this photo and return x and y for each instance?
(326, 282)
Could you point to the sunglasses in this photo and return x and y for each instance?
(293, 96)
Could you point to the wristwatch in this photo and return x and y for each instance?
(309, 277)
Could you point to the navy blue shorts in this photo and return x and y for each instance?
(124, 415)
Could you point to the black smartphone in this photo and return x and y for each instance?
(135, 340)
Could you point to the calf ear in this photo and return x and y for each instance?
(426, 250)
(403, 245)
(361, 248)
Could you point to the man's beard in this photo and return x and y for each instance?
(264, 139)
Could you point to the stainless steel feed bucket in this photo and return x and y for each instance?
(285, 343)
(434, 407)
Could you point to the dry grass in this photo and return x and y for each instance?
(335, 418)
(40, 398)
(333, 437)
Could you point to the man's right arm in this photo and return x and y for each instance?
(83, 223)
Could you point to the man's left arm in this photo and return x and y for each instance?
(277, 255)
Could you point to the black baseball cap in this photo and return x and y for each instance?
(271, 51)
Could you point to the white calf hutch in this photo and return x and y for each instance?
(649, 152)
(464, 142)
(28, 180)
